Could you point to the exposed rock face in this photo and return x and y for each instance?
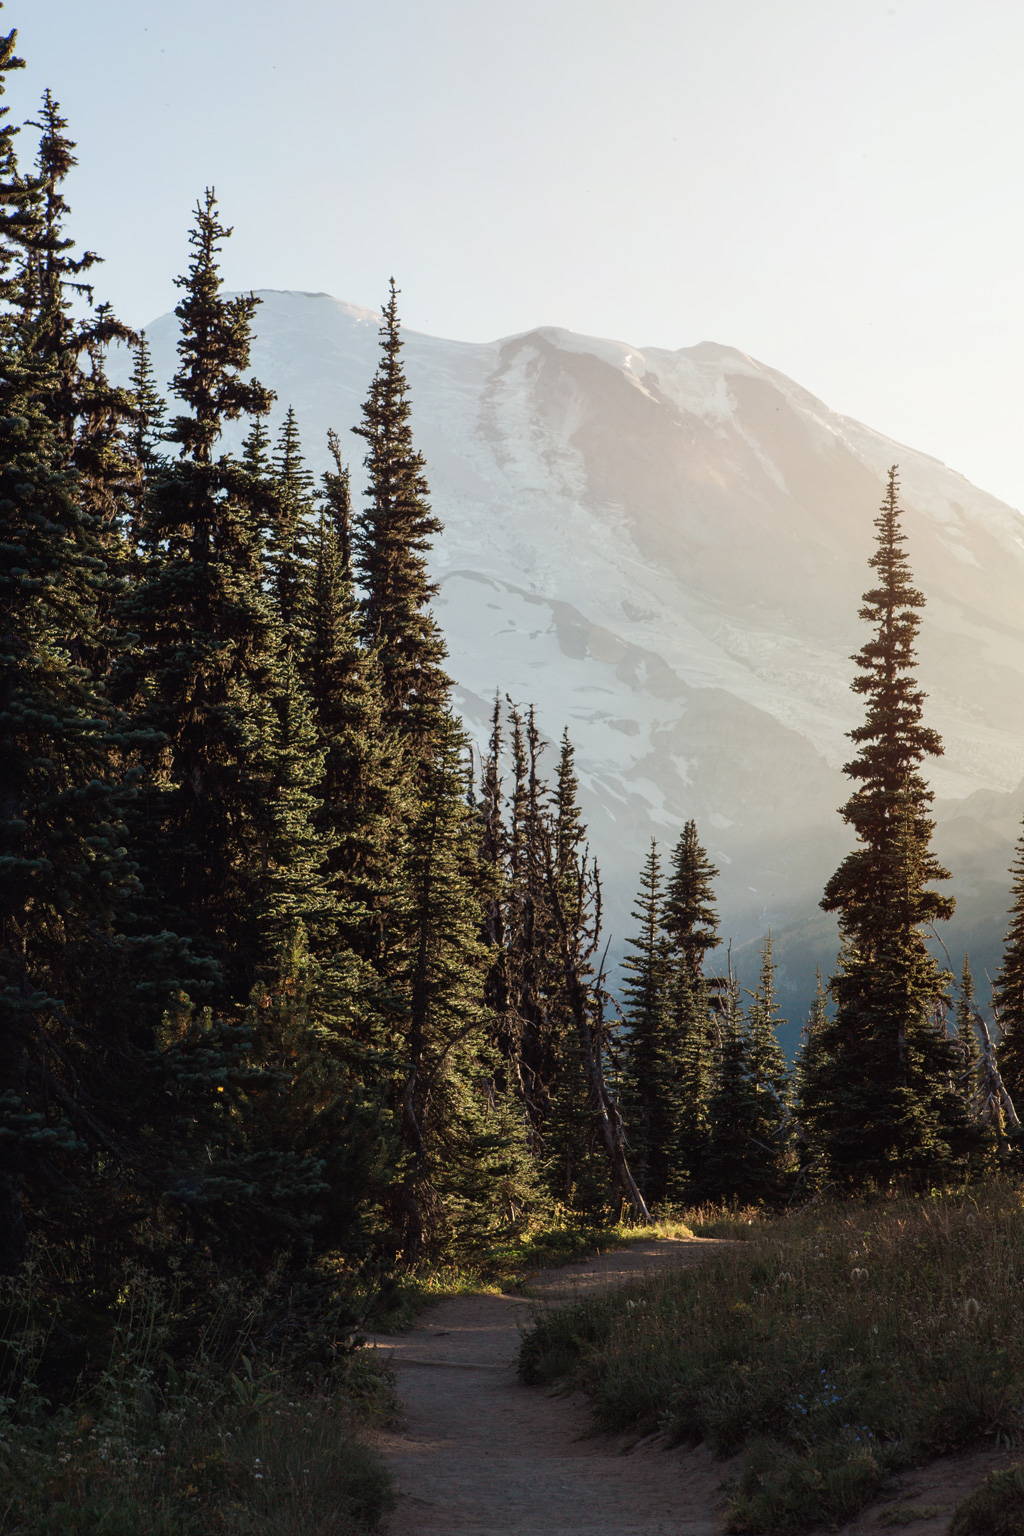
(665, 551)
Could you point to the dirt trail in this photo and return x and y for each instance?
(480, 1455)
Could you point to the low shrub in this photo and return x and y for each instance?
(830, 1347)
(994, 1509)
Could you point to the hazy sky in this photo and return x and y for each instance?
(834, 186)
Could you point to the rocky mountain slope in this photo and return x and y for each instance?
(665, 550)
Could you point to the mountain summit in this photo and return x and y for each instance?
(665, 551)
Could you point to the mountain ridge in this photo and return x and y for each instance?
(665, 550)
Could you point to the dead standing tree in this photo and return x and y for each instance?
(575, 906)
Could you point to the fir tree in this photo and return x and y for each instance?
(446, 1031)
(810, 1073)
(1008, 987)
(206, 652)
(695, 1046)
(968, 1050)
(364, 795)
(148, 427)
(651, 1087)
(68, 886)
(690, 917)
(337, 496)
(392, 534)
(769, 1074)
(734, 1162)
(884, 1104)
(289, 557)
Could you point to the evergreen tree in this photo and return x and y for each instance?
(206, 652)
(392, 534)
(1008, 987)
(365, 801)
(884, 1106)
(695, 1045)
(453, 1145)
(769, 1074)
(290, 555)
(150, 417)
(968, 1050)
(68, 887)
(574, 1129)
(690, 917)
(337, 496)
(810, 1074)
(651, 1086)
(734, 1162)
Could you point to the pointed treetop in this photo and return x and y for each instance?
(216, 336)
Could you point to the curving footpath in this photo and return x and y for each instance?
(480, 1455)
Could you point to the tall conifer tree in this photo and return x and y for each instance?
(1008, 987)
(651, 1079)
(392, 534)
(207, 644)
(884, 1105)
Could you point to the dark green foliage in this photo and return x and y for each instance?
(1008, 987)
(734, 1163)
(364, 796)
(968, 1050)
(205, 656)
(462, 1146)
(650, 1088)
(392, 534)
(290, 555)
(883, 1104)
(809, 1071)
(67, 880)
(690, 918)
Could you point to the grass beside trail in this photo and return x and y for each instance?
(165, 1414)
(508, 1266)
(830, 1347)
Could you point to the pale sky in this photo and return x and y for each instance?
(833, 186)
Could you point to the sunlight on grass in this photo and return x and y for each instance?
(830, 1347)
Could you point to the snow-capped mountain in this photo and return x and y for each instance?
(665, 551)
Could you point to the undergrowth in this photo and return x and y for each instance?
(159, 1412)
(830, 1347)
(509, 1265)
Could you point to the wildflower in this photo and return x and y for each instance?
(858, 1276)
(971, 1309)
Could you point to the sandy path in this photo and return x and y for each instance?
(480, 1455)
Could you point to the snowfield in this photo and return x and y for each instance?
(665, 551)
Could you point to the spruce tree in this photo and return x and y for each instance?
(968, 1050)
(290, 555)
(769, 1073)
(1008, 987)
(696, 1048)
(884, 1105)
(690, 917)
(364, 797)
(391, 537)
(337, 496)
(453, 1143)
(204, 662)
(690, 920)
(734, 1161)
(650, 1086)
(809, 1075)
(66, 1052)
